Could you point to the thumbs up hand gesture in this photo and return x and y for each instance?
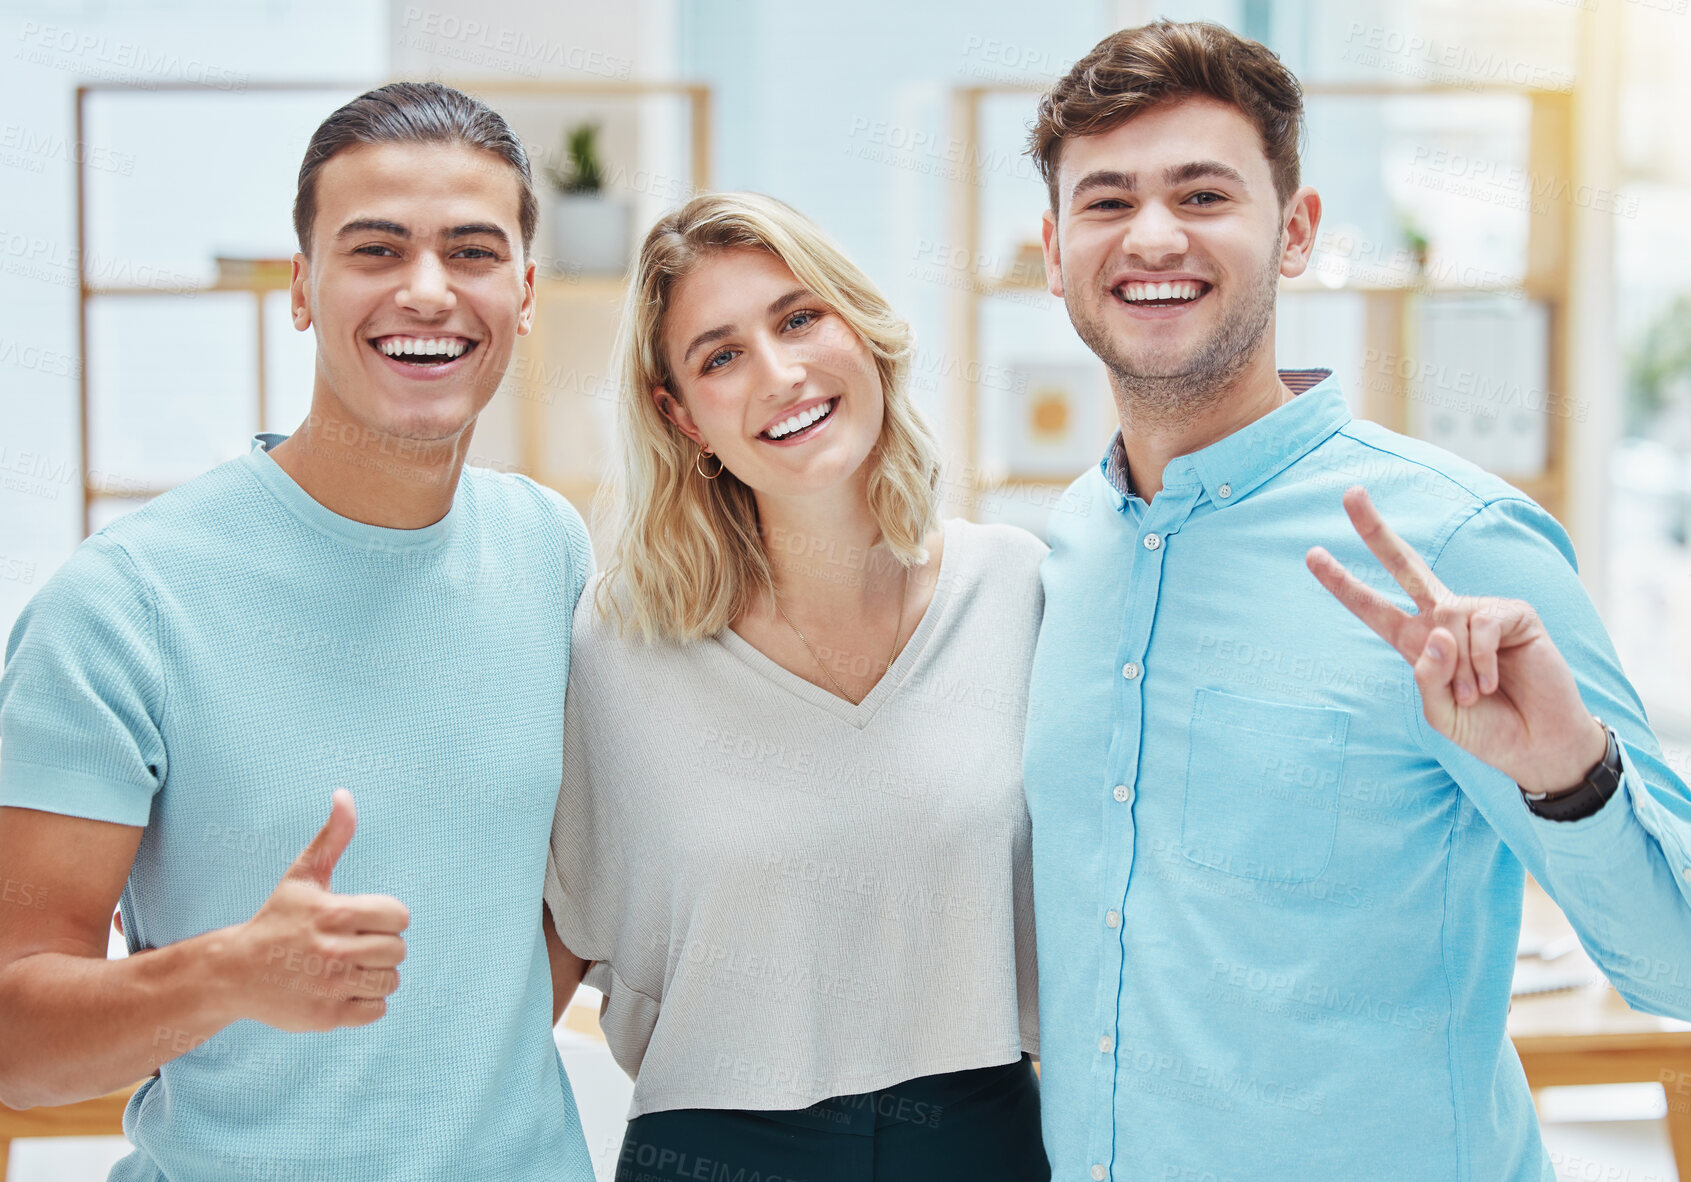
(314, 960)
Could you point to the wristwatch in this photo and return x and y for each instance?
(1586, 797)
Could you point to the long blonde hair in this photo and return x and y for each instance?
(688, 555)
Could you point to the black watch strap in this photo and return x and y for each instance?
(1591, 794)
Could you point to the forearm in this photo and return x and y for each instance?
(1621, 889)
(564, 984)
(75, 1027)
(567, 968)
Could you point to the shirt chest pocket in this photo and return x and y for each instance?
(1262, 787)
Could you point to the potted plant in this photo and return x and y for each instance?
(589, 226)
(1658, 402)
(1415, 239)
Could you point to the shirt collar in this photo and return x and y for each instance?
(1231, 467)
(306, 508)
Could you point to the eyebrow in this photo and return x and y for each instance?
(383, 226)
(1180, 174)
(372, 225)
(1175, 174)
(722, 330)
(479, 229)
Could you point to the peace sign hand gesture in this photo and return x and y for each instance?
(1491, 680)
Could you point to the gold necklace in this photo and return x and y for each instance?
(897, 628)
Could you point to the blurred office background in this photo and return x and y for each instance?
(1505, 268)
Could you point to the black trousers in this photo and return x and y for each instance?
(980, 1125)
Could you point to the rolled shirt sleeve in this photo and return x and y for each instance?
(82, 697)
(1622, 875)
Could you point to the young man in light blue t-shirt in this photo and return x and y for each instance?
(345, 608)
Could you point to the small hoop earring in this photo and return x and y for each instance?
(697, 462)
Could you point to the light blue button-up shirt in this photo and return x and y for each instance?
(1277, 913)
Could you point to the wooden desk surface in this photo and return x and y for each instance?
(1591, 1036)
(101, 1116)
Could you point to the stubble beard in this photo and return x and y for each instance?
(1174, 391)
(370, 407)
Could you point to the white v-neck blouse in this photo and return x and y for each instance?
(792, 897)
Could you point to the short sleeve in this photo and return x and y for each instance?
(576, 543)
(82, 695)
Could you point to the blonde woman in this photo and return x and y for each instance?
(791, 835)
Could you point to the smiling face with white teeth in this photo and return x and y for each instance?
(1168, 249)
(769, 377)
(417, 286)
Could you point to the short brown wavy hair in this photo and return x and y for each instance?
(1135, 70)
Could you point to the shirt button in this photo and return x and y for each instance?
(1121, 793)
(1152, 542)
(1224, 491)
(1112, 918)
(1131, 670)
(1106, 1044)
(1097, 1174)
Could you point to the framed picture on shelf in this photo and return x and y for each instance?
(1481, 388)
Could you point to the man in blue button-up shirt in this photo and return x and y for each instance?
(1278, 865)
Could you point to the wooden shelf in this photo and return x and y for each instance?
(258, 287)
(583, 287)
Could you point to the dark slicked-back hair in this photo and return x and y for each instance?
(1130, 72)
(414, 113)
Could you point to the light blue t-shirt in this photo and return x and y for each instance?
(212, 667)
(1277, 913)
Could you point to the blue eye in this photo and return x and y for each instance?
(806, 316)
(718, 359)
